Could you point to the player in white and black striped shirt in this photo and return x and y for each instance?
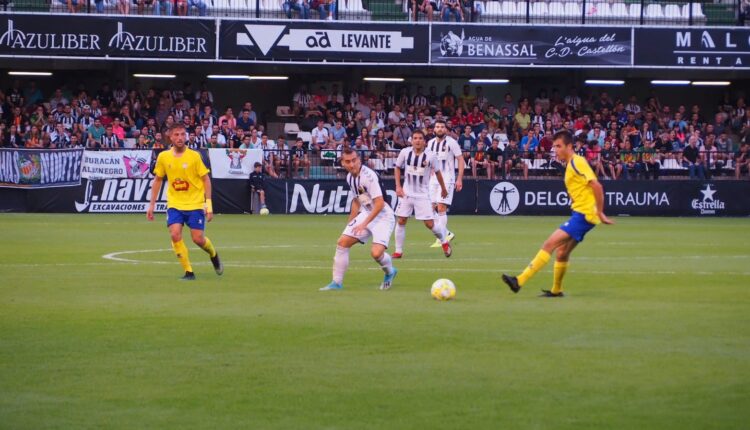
(370, 216)
(418, 166)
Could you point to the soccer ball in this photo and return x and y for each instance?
(264, 211)
(443, 289)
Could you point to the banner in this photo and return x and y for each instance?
(548, 45)
(42, 168)
(323, 41)
(116, 164)
(106, 37)
(693, 47)
(499, 198)
(233, 163)
(648, 198)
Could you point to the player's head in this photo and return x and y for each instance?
(440, 128)
(562, 144)
(350, 160)
(418, 140)
(177, 136)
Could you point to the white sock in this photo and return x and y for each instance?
(439, 232)
(340, 264)
(400, 237)
(442, 218)
(386, 263)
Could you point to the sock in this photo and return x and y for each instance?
(209, 247)
(442, 218)
(340, 264)
(400, 237)
(386, 263)
(542, 257)
(559, 271)
(181, 251)
(439, 231)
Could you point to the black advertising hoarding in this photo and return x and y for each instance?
(106, 37)
(463, 44)
(484, 197)
(693, 47)
(317, 41)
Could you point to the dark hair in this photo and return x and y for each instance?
(420, 132)
(256, 165)
(347, 151)
(176, 126)
(565, 135)
(439, 121)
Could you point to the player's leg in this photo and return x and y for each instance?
(556, 239)
(341, 260)
(404, 210)
(262, 195)
(196, 222)
(438, 230)
(175, 220)
(381, 230)
(562, 255)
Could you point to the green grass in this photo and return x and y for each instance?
(654, 333)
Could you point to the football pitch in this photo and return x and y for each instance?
(97, 332)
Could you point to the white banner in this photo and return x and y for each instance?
(133, 164)
(233, 163)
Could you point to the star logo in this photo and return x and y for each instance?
(708, 194)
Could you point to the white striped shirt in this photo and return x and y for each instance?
(445, 152)
(366, 188)
(417, 171)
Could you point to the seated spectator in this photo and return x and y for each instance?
(742, 161)
(123, 7)
(183, 7)
(245, 122)
(693, 161)
(299, 159)
(513, 160)
(109, 140)
(337, 134)
(479, 160)
(529, 144)
(301, 6)
(257, 184)
(427, 7)
(628, 161)
(13, 138)
(593, 152)
(320, 138)
(608, 166)
(60, 138)
(326, 9)
(467, 142)
(402, 135)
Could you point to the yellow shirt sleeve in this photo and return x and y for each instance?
(159, 169)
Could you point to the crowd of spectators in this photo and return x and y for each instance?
(622, 138)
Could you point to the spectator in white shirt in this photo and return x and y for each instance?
(319, 136)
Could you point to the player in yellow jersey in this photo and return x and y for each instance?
(188, 198)
(587, 202)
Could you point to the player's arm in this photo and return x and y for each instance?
(209, 203)
(461, 165)
(443, 190)
(596, 186)
(397, 178)
(155, 191)
(355, 210)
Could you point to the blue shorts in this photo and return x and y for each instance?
(195, 219)
(577, 226)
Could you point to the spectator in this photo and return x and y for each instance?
(301, 6)
(244, 122)
(467, 142)
(529, 143)
(693, 161)
(13, 138)
(513, 160)
(402, 135)
(609, 168)
(742, 160)
(320, 137)
(427, 7)
(337, 134)
(628, 161)
(256, 182)
(327, 9)
(479, 160)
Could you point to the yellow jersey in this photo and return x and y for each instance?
(184, 178)
(578, 174)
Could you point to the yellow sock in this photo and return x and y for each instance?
(559, 271)
(209, 247)
(181, 251)
(542, 257)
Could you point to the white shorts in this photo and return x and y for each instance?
(421, 207)
(435, 196)
(380, 228)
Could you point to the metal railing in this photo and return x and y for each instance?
(581, 12)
